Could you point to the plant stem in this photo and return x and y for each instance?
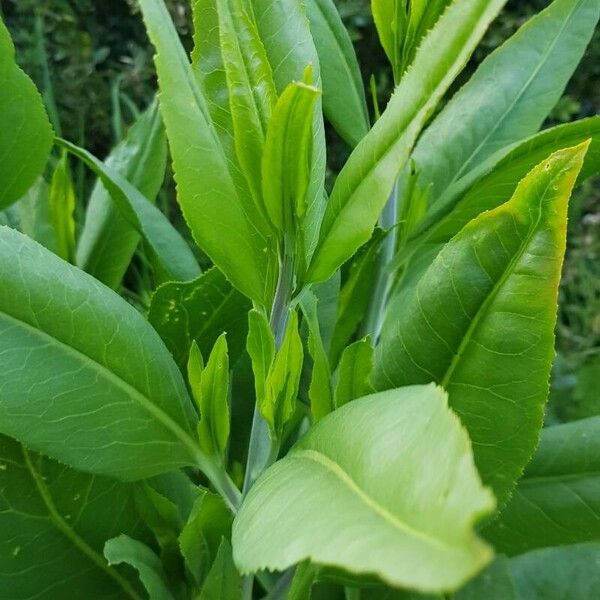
(221, 481)
(373, 322)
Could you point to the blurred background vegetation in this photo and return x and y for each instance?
(93, 63)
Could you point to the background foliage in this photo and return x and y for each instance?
(93, 62)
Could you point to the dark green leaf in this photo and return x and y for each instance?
(61, 209)
(223, 581)
(354, 371)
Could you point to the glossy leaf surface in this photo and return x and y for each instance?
(342, 499)
(480, 321)
(81, 364)
(27, 135)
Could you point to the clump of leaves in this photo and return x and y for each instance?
(352, 396)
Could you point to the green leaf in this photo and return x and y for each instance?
(26, 132)
(54, 523)
(199, 310)
(261, 349)
(125, 550)
(223, 581)
(285, 32)
(85, 378)
(479, 323)
(166, 242)
(557, 501)
(61, 209)
(569, 573)
(34, 215)
(509, 96)
(211, 391)
(287, 158)
(209, 521)
(206, 192)
(494, 583)
(354, 371)
(319, 391)
(252, 94)
(279, 402)
(364, 184)
(344, 102)
(107, 241)
(341, 498)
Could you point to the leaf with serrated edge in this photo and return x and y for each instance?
(341, 498)
(480, 322)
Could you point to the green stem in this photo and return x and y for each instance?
(374, 318)
(221, 481)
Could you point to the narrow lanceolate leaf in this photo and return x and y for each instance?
(364, 185)
(340, 498)
(128, 551)
(558, 573)
(107, 241)
(251, 92)
(486, 188)
(54, 524)
(33, 212)
(480, 323)
(354, 371)
(85, 379)
(261, 349)
(164, 240)
(211, 395)
(509, 96)
(61, 208)
(26, 132)
(344, 101)
(285, 33)
(223, 582)
(200, 310)
(287, 160)
(557, 501)
(205, 188)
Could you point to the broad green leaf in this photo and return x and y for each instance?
(344, 102)
(61, 209)
(85, 379)
(166, 242)
(223, 581)
(341, 498)
(27, 135)
(509, 96)
(480, 323)
(107, 241)
(251, 92)
(209, 521)
(125, 550)
(354, 371)
(206, 192)
(199, 310)
(319, 391)
(364, 184)
(34, 215)
(569, 573)
(211, 392)
(287, 159)
(557, 501)
(285, 32)
(54, 523)
(494, 583)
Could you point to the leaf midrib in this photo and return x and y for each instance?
(328, 464)
(140, 398)
(64, 528)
